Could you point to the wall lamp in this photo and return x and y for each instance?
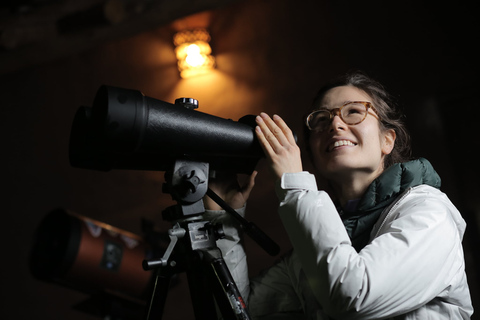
(193, 52)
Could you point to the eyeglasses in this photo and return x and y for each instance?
(351, 113)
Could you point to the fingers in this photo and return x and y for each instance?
(285, 129)
(247, 188)
(279, 145)
(272, 130)
(274, 134)
(230, 191)
(268, 140)
(222, 183)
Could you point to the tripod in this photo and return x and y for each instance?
(193, 248)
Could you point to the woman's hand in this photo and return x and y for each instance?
(279, 145)
(226, 186)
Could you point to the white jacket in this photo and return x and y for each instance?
(413, 267)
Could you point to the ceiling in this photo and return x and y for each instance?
(37, 31)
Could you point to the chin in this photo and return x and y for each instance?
(335, 167)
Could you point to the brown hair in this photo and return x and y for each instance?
(391, 117)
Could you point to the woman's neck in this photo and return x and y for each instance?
(352, 187)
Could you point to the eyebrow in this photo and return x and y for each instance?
(343, 103)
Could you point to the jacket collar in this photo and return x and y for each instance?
(382, 192)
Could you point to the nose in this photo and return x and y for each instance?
(337, 124)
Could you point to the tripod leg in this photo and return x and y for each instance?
(225, 290)
(156, 305)
(200, 291)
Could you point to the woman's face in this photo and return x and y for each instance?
(342, 150)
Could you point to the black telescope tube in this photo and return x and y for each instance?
(124, 129)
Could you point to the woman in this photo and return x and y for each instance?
(384, 243)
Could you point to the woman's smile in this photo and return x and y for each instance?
(340, 144)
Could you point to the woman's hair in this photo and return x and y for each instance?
(390, 117)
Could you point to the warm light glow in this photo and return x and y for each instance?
(193, 52)
(194, 56)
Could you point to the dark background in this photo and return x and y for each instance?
(271, 56)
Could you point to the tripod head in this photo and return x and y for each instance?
(187, 183)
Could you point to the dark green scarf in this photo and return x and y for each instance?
(382, 192)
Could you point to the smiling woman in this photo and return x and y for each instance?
(383, 243)
(350, 150)
(383, 106)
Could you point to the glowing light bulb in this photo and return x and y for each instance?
(193, 49)
(193, 52)
(194, 57)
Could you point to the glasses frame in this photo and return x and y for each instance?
(338, 112)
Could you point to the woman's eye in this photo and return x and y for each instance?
(322, 117)
(353, 110)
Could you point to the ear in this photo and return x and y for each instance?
(389, 137)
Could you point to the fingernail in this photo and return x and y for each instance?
(259, 119)
(275, 117)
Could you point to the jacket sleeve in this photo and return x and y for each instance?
(408, 264)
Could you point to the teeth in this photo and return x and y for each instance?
(343, 143)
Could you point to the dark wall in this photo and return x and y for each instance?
(271, 56)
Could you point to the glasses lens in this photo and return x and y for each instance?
(354, 113)
(318, 120)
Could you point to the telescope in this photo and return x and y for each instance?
(97, 259)
(124, 129)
